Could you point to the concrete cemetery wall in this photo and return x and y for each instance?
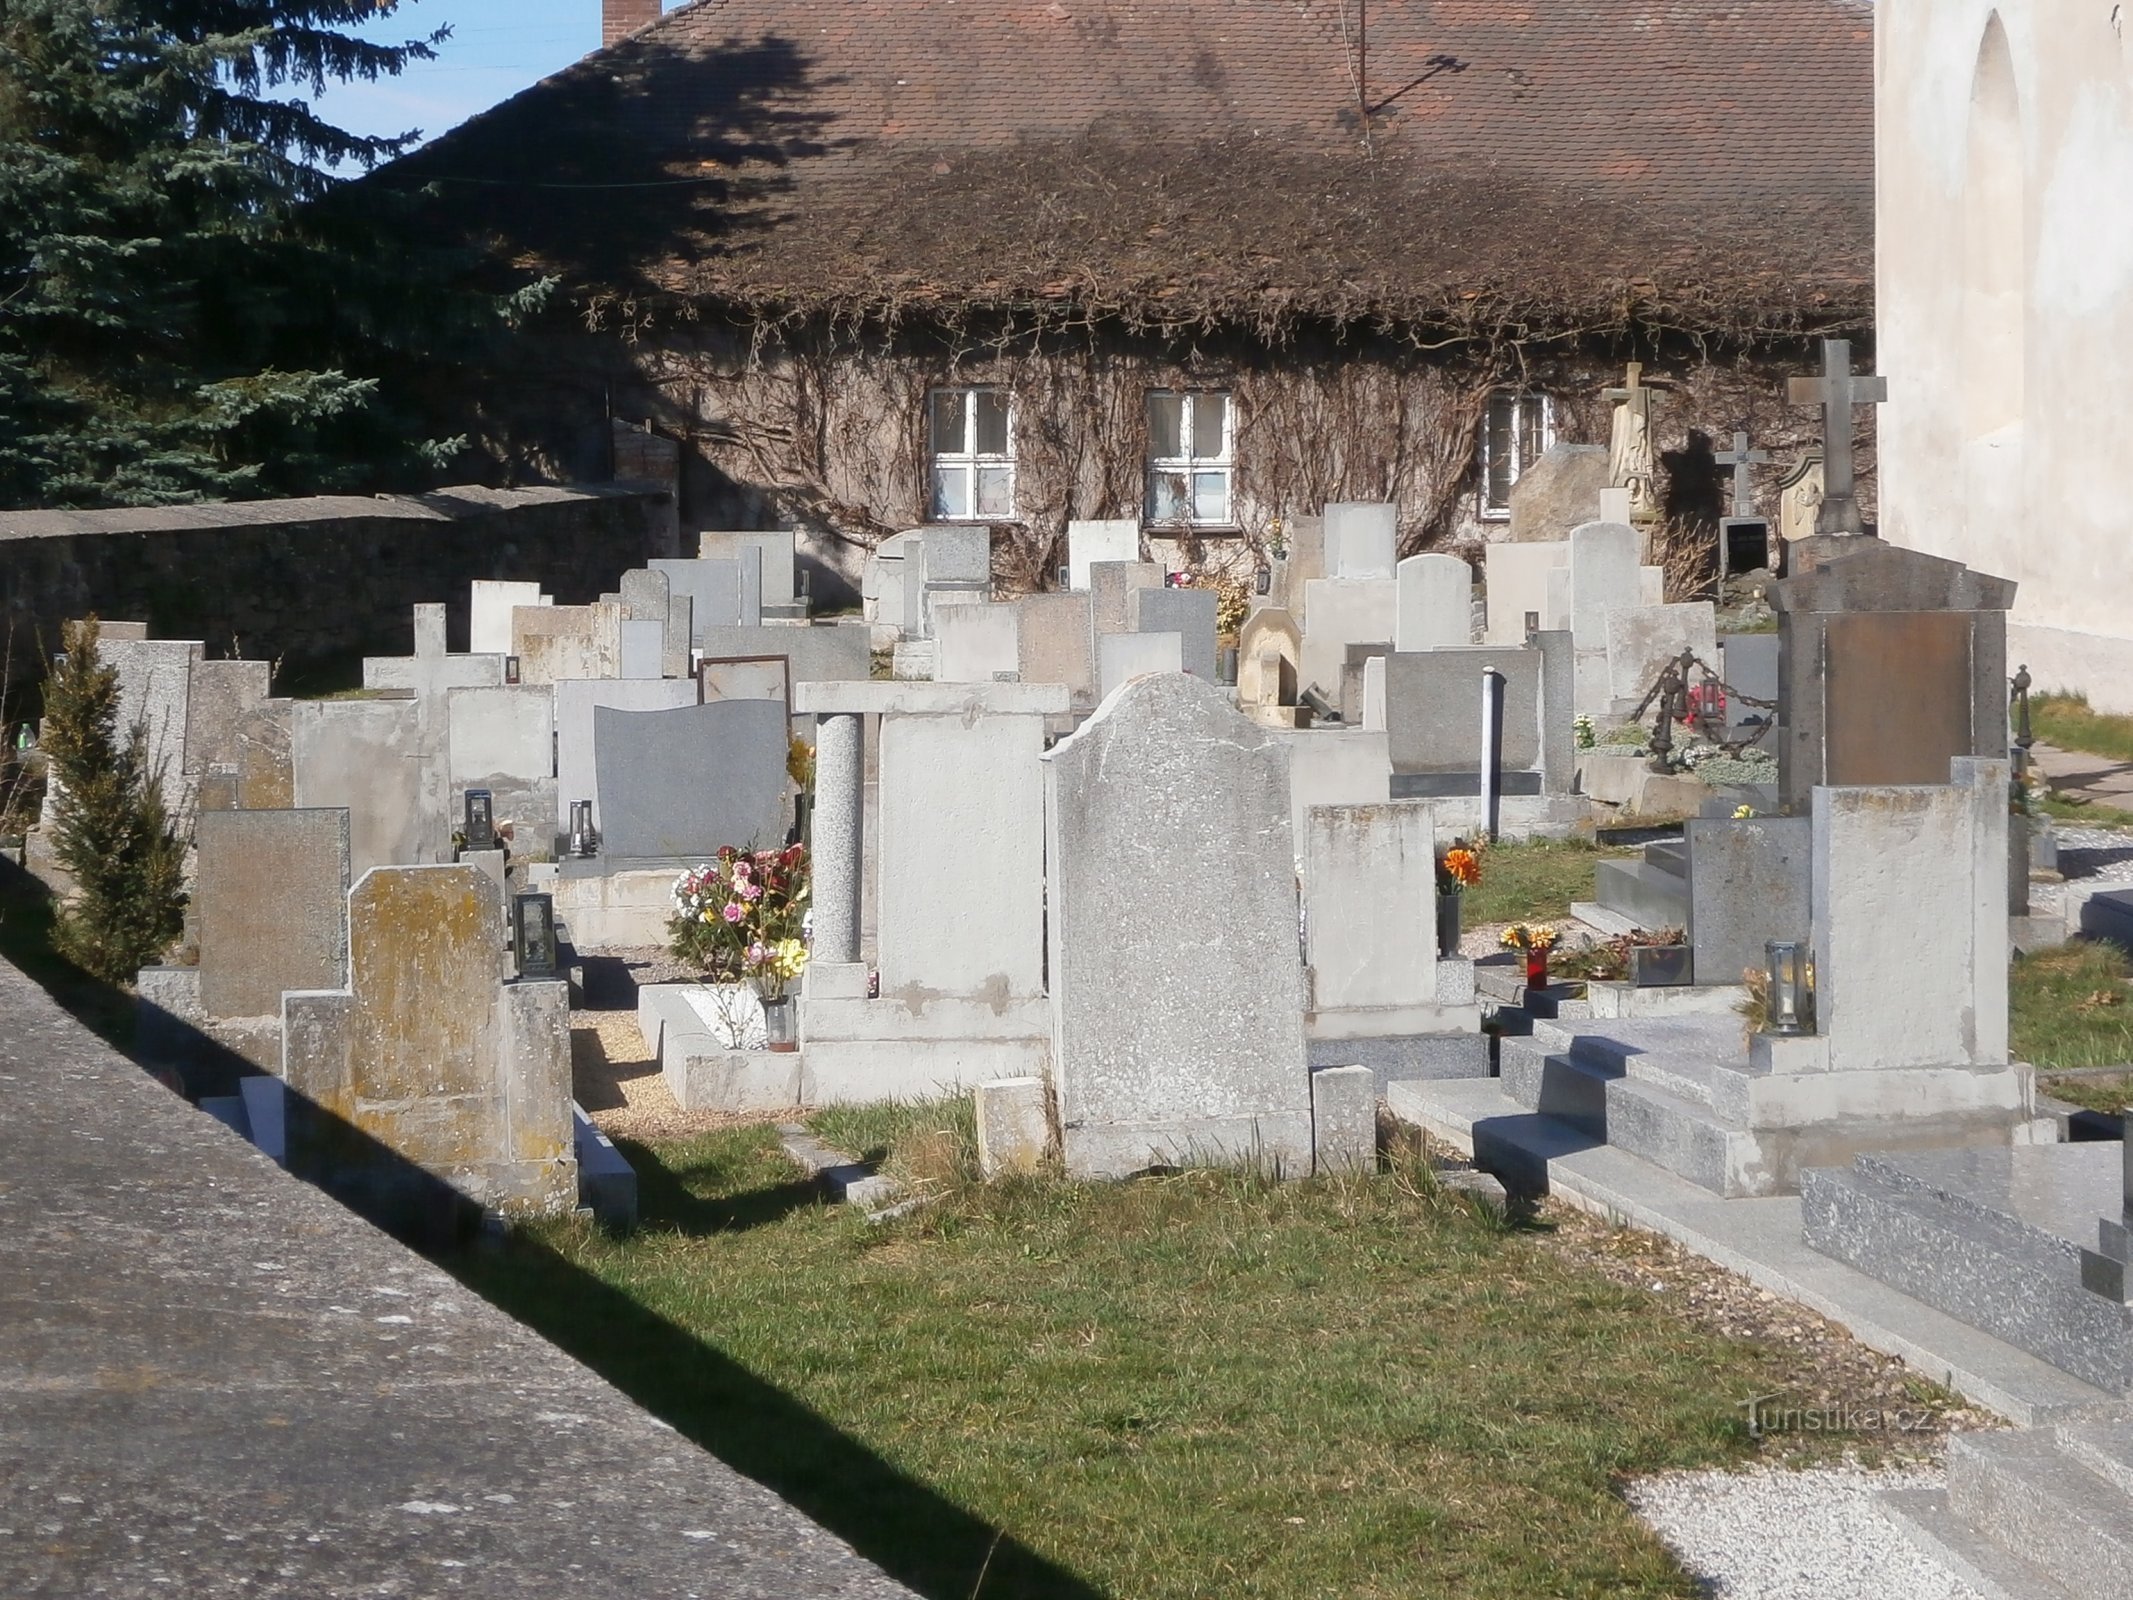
(311, 582)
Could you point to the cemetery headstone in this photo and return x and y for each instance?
(1641, 640)
(677, 784)
(778, 560)
(369, 757)
(1838, 392)
(1435, 603)
(1518, 587)
(1090, 542)
(1057, 644)
(576, 702)
(1111, 584)
(270, 906)
(1269, 660)
(1361, 539)
(644, 648)
(1370, 899)
(1340, 612)
(502, 738)
(1891, 663)
(976, 643)
(1169, 810)
(837, 652)
(1433, 719)
(1748, 884)
(553, 643)
(266, 770)
(427, 1073)
(746, 678)
(221, 695)
(1188, 613)
(719, 590)
(1121, 657)
(489, 608)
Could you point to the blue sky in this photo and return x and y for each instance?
(497, 48)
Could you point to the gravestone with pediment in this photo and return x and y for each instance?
(1891, 664)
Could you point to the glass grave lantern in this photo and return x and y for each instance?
(479, 828)
(533, 940)
(1786, 1010)
(510, 669)
(583, 841)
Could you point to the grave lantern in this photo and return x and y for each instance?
(480, 826)
(510, 669)
(533, 935)
(1786, 1009)
(1263, 581)
(583, 841)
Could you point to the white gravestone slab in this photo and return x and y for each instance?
(1435, 603)
(1169, 811)
(1361, 539)
(1090, 542)
(490, 606)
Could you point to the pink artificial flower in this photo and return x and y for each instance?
(756, 952)
(733, 911)
(750, 891)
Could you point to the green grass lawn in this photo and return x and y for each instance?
(2067, 721)
(1180, 1386)
(2072, 1007)
(1533, 881)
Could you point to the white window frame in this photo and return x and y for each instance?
(1520, 398)
(969, 459)
(1188, 463)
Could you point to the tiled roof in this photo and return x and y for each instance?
(1205, 159)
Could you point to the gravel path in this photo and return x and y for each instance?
(1772, 1534)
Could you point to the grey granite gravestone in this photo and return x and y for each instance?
(1749, 664)
(1188, 613)
(838, 652)
(1433, 713)
(270, 906)
(715, 590)
(1169, 810)
(1749, 883)
(575, 702)
(677, 784)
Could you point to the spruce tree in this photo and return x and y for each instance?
(110, 829)
(192, 302)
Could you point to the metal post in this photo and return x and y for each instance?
(1492, 687)
(840, 777)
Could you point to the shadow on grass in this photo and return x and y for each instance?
(665, 1202)
(923, 1540)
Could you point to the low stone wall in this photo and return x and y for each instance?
(318, 583)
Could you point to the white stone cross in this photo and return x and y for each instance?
(1837, 391)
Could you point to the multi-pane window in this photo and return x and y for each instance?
(971, 436)
(1518, 428)
(1189, 459)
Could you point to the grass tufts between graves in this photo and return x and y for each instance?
(1200, 1382)
(2072, 1007)
(2068, 721)
(1533, 880)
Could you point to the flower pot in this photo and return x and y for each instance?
(781, 1024)
(803, 819)
(1449, 902)
(1536, 969)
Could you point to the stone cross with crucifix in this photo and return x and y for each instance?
(1630, 463)
(1837, 392)
(1741, 459)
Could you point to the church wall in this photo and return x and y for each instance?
(2005, 180)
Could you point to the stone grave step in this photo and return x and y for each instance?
(2000, 1274)
(1932, 1528)
(2103, 1445)
(228, 1109)
(2044, 1508)
(1670, 856)
(264, 1109)
(1681, 1135)
(1649, 897)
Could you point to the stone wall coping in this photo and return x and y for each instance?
(881, 697)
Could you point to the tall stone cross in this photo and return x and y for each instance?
(1837, 391)
(1740, 458)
